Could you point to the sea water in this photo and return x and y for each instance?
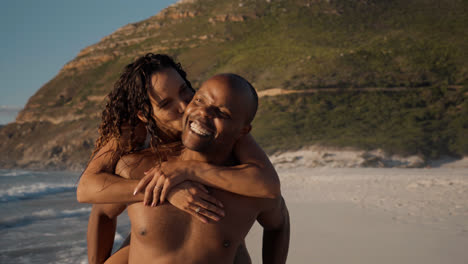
(41, 221)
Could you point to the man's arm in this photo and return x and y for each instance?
(101, 231)
(275, 224)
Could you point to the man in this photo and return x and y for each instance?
(219, 114)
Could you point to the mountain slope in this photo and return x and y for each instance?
(289, 44)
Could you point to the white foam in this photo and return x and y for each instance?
(42, 215)
(34, 190)
(118, 238)
(72, 255)
(13, 173)
(45, 213)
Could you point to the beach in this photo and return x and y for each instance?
(338, 215)
(367, 215)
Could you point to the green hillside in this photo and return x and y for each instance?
(428, 122)
(416, 50)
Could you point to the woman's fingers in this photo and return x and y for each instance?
(211, 199)
(148, 193)
(157, 189)
(211, 208)
(142, 183)
(150, 188)
(188, 197)
(202, 187)
(207, 210)
(171, 181)
(150, 171)
(166, 188)
(191, 210)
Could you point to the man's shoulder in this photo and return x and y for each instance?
(131, 164)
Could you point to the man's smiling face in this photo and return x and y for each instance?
(217, 116)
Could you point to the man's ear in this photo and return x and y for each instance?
(246, 129)
(141, 117)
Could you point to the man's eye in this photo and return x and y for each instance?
(224, 115)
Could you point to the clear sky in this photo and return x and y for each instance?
(38, 37)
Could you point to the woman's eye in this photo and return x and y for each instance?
(186, 89)
(163, 104)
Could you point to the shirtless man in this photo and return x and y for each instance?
(219, 114)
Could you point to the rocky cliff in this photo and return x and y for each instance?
(278, 44)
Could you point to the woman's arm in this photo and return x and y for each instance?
(255, 176)
(101, 231)
(191, 197)
(98, 183)
(258, 167)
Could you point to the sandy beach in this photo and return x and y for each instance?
(367, 215)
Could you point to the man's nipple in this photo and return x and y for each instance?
(142, 231)
(226, 243)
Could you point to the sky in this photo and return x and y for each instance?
(39, 37)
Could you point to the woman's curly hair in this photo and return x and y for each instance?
(131, 96)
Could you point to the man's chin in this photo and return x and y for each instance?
(195, 142)
(196, 147)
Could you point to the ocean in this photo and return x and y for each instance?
(41, 221)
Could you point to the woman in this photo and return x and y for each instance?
(147, 104)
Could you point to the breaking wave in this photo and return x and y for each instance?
(24, 192)
(13, 173)
(42, 215)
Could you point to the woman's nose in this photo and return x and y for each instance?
(182, 105)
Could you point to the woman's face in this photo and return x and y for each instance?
(169, 97)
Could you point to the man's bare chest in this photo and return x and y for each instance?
(170, 228)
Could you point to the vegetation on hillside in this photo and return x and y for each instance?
(426, 122)
(416, 46)
(291, 44)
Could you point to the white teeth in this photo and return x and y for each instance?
(198, 129)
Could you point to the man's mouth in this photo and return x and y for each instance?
(200, 129)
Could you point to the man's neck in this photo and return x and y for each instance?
(212, 158)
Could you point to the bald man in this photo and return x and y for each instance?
(219, 114)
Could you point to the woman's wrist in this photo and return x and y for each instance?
(191, 171)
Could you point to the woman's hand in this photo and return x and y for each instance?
(193, 198)
(159, 181)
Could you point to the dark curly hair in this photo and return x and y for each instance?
(129, 97)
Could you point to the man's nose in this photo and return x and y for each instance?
(206, 111)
